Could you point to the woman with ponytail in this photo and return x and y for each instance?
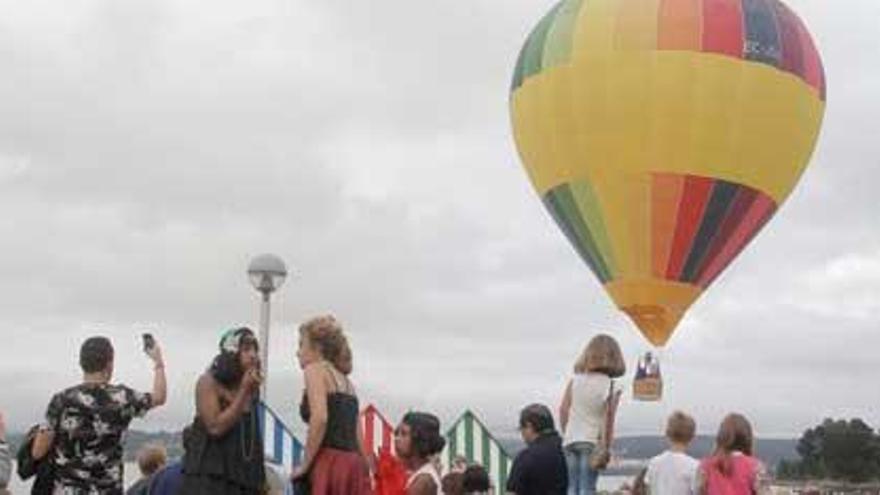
(732, 469)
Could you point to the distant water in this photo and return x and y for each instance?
(18, 487)
(612, 482)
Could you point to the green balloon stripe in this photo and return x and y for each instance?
(551, 202)
(535, 49)
(588, 205)
(532, 54)
(560, 38)
(567, 214)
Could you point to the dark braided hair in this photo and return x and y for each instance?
(425, 433)
(226, 367)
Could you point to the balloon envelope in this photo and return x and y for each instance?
(662, 135)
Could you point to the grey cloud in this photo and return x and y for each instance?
(150, 150)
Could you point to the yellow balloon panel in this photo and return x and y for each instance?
(662, 135)
(699, 114)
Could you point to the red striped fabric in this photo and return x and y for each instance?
(378, 432)
(690, 212)
(759, 213)
(369, 440)
(814, 73)
(723, 30)
(681, 23)
(735, 214)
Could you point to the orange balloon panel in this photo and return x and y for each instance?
(662, 135)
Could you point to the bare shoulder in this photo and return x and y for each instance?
(206, 383)
(423, 484)
(314, 371)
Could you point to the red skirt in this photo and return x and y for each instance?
(338, 472)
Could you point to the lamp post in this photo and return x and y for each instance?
(267, 273)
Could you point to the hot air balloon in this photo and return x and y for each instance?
(662, 135)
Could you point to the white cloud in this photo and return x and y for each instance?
(846, 287)
(149, 149)
(13, 167)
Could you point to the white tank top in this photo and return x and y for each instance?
(586, 418)
(427, 469)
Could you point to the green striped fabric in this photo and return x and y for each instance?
(575, 209)
(549, 44)
(470, 438)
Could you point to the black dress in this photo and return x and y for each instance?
(231, 464)
(338, 468)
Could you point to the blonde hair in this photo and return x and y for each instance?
(325, 334)
(601, 355)
(151, 458)
(680, 428)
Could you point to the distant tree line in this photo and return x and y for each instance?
(842, 450)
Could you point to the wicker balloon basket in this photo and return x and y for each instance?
(648, 389)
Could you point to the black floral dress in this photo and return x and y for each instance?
(90, 421)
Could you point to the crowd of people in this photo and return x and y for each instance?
(78, 449)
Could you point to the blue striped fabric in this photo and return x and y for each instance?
(281, 448)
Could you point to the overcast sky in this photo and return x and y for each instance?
(148, 149)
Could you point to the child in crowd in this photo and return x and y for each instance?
(674, 472)
(476, 481)
(151, 458)
(732, 469)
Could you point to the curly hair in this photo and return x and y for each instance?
(226, 367)
(425, 433)
(325, 334)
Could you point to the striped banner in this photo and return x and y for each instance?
(280, 447)
(378, 431)
(470, 438)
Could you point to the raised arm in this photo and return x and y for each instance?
(160, 384)
(217, 420)
(565, 407)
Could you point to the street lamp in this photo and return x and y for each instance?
(267, 273)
